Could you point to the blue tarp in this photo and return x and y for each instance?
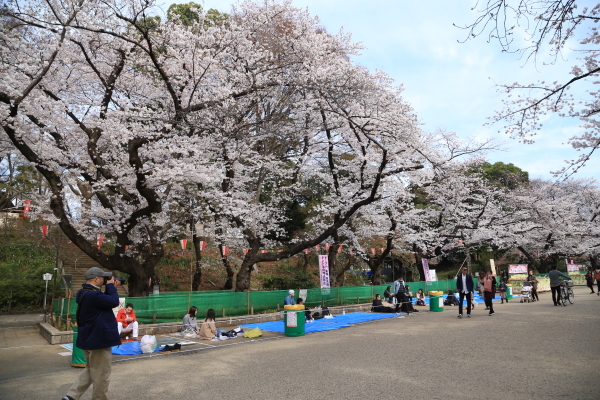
(325, 324)
(129, 349)
(277, 326)
(356, 317)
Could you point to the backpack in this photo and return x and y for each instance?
(401, 288)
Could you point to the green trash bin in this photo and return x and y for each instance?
(509, 294)
(436, 301)
(294, 320)
(77, 357)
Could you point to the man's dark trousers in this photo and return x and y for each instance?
(461, 298)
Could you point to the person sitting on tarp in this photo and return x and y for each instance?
(126, 320)
(388, 295)
(208, 330)
(420, 298)
(190, 324)
(451, 300)
(289, 300)
(307, 314)
(379, 307)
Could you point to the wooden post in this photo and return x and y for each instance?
(249, 301)
(251, 310)
(154, 318)
(223, 313)
(189, 300)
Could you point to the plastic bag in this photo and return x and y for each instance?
(148, 344)
(189, 333)
(253, 333)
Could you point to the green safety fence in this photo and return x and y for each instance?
(171, 307)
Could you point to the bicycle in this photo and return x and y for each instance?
(566, 292)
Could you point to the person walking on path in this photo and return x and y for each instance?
(480, 283)
(589, 279)
(97, 333)
(555, 276)
(502, 290)
(401, 295)
(489, 291)
(534, 285)
(597, 277)
(464, 286)
(289, 300)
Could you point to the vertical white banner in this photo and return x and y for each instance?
(493, 266)
(324, 271)
(426, 269)
(303, 294)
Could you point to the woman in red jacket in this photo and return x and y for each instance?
(127, 321)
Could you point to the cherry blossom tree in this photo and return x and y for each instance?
(553, 25)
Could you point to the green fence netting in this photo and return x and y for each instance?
(171, 307)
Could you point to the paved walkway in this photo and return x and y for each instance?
(525, 351)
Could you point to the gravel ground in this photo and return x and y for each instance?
(525, 351)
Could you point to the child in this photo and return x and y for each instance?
(420, 297)
(502, 289)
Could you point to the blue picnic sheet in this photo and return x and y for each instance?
(357, 317)
(129, 349)
(325, 324)
(277, 326)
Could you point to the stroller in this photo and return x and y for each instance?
(526, 292)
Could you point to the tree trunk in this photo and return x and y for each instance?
(594, 261)
(303, 263)
(419, 255)
(197, 279)
(345, 267)
(332, 261)
(376, 272)
(242, 283)
(230, 273)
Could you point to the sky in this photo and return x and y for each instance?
(451, 85)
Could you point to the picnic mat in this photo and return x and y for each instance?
(325, 324)
(277, 326)
(133, 348)
(356, 317)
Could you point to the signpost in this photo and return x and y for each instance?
(46, 277)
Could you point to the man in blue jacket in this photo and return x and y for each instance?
(97, 333)
(464, 286)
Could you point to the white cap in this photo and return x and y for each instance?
(291, 291)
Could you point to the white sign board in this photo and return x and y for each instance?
(47, 277)
(324, 271)
(433, 275)
(573, 267)
(121, 305)
(493, 266)
(292, 319)
(303, 294)
(517, 269)
(426, 269)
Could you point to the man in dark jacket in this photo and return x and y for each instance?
(97, 333)
(464, 286)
